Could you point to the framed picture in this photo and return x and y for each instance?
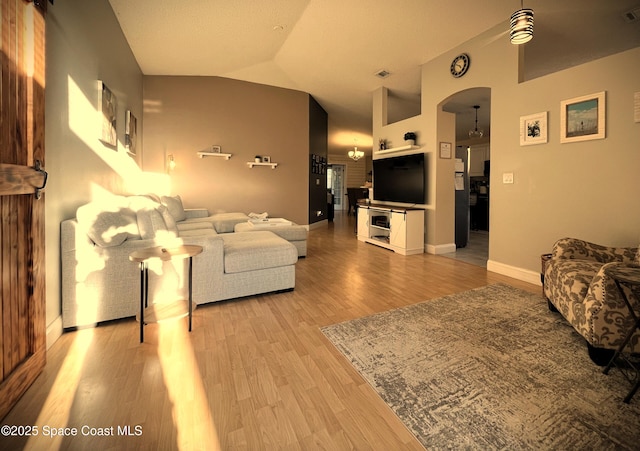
(130, 132)
(582, 118)
(216, 149)
(533, 129)
(107, 108)
(445, 150)
(266, 159)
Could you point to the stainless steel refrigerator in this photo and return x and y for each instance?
(462, 196)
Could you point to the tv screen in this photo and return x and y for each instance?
(399, 179)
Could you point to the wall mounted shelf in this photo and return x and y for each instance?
(398, 149)
(251, 164)
(214, 154)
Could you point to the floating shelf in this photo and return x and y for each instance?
(251, 164)
(399, 149)
(214, 154)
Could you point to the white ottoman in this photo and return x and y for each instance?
(294, 233)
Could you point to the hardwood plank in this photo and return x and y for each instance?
(255, 373)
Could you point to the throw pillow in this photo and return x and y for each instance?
(168, 219)
(107, 225)
(150, 222)
(175, 207)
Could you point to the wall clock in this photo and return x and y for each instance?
(460, 65)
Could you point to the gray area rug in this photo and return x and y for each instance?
(490, 368)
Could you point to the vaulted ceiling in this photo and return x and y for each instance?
(332, 49)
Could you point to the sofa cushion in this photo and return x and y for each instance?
(293, 232)
(197, 233)
(250, 251)
(194, 225)
(175, 207)
(109, 222)
(225, 222)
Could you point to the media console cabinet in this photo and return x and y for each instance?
(400, 229)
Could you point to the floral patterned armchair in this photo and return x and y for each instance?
(577, 285)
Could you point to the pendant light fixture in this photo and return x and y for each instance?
(355, 154)
(475, 133)
(521, 25)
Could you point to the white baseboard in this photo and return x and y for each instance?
(512, 271)
(441, 248)
(54, 331)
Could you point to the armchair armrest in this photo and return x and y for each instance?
(610, 319)
(580, 249)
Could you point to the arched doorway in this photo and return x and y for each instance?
(473, 192)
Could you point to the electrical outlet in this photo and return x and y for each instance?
(507, 177)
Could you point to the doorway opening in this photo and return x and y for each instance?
(335, 185)
(472, 109)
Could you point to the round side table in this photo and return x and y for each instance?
(177, 309)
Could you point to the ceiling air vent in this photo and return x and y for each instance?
(382, 73)
(632, 15)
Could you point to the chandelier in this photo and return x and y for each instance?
(521, 25)
(355, 154)
(475, 133)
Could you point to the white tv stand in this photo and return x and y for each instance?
(400, 229)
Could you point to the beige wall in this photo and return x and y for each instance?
(84, 44)
(587, 189)
(186, 114)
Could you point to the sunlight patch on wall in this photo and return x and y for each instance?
(84, 122)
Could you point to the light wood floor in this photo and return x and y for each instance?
(255, 373)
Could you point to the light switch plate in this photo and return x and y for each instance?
(507, 177)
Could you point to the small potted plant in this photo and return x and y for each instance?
(258, 159)
(410, 137)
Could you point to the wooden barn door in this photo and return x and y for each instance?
(22, 272)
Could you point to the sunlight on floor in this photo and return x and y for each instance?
(57, 407)
(191, 414)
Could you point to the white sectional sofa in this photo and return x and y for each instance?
(100, 283)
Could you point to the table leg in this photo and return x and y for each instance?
(142, 298)
(633, 391)
(626, 340)
(190, 291)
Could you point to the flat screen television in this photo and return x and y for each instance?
(400, 179)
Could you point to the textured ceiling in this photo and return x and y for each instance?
(332, 48)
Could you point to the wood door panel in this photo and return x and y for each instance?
(22, 272)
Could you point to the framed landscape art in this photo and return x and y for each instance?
(582, 118)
